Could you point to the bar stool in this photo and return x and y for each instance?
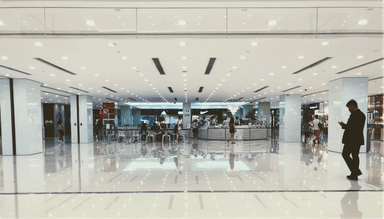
(136, 136)
(150, 135)
(166, 135)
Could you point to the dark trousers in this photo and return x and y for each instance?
(352, 163)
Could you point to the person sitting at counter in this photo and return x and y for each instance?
(237, 120)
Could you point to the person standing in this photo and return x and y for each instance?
(178, 128)
(316, 128)
(237, 121)
(232, 130)
(353, 138)
(60, 126)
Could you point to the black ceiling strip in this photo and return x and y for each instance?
(315, 93)
(79, 89)
(210, 65)
(240, 98)
(201, 89)
(197, 99)
(170, 89)
(360, 66)
(261, 89)
(107, 88)
(132, 99)
(158, 66)
(55, 66)
(53, 93)
(258, 99)
(175, 98)
(57, 90)
(291, 88)
(312, 65)
(375, 78)
(12, 69)
(112, 99)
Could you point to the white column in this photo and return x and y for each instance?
(73, 102)
(27, 102)
(340, 92)
(86, 119)
(6, 122)
(290, 117)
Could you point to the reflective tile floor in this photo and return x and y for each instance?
(196, 178)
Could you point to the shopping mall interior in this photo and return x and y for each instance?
(124, 108)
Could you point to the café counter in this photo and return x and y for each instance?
(243, 133)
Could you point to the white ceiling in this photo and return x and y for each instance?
(240, 67)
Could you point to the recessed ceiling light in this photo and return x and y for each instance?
(4, 57)
(64, 58)
(111, 44)
(52, 75)
(228, 74)
(334, 66)
(283, 66)
(314, 73)
(184, 67)
(242, 57)
(2, 23)
(182, 23)
(96, 75)
(106, 80)
(90, 23)
(262, 79)
(254, 43)
(141, 74)
(67, 80)
(325, 43)
(124, 57)
(183, 44)
(272, 22)
(184, 74)
(134, 67)
(7, 75)
(254, 84)
(234, 67)
(323, 84)
(289, 84)
(359, 73)
(301, 57)
(360, 57)
(38, 44)
(31, 67)
(82, 67)
(362, 22)
(183, 57)
(271, 73)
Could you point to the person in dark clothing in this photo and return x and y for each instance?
(143, 130)
(99, 128)
(353, 138)
(232, 130)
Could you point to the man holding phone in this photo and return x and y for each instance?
(353, 138)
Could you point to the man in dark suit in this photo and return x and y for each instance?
(353, 138)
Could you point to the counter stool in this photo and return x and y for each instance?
(166, 135)
(150, 135)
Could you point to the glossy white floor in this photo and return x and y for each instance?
(203, 179)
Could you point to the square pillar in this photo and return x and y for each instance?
(81, 119)
(5, 117)
(27, 109)
(290, 117)
(74, 123)
(340, 92)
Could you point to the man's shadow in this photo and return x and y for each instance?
(349, 202)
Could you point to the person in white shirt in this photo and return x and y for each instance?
(316, 128)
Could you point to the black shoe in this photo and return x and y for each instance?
(358, 173)
(352, 177)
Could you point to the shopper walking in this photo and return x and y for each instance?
(232, 130)
(60, 126)
(306, 129)
(316, 128)
(353, 138)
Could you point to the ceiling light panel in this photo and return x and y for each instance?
(90, 21)
(350, 20)
(272, 20)
(181, 20)
(22, 20)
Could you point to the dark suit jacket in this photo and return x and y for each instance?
(354, 128)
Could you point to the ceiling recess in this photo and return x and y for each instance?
(158, 66)
(170, 89)
(360, 65)
(291, 88)
(79, 89)
(201, 89)
(107, 88)
(261, 89)
(312, 65)
(12, 69)
(55, 66)
(210, 65)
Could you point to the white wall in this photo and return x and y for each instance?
(6, 122)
